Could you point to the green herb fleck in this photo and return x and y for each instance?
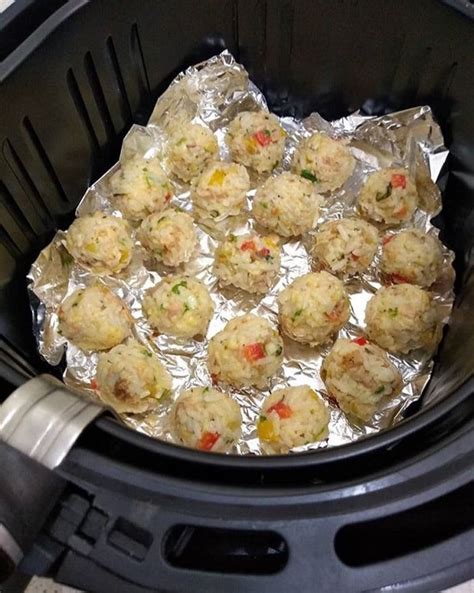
(380, 389)
(205, 390)
(296, 314)
(267, 132)
(308, 175)
(186, 307)
(176, 287)
(180, 141)
(232, 238)
(262, 418)
(388, 192)
(275, 164)
(393, 312)
(278, 351)
(147, 353)
(166, 393)
(264, 205)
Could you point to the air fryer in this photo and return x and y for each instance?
(125, 513)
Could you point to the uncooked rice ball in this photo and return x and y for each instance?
(220, 191)
(346, 246)
(313, 308)
(130, 378)
(206, 419)
(169, 236)
(100, 242)
(248, 351)
(179, 306)
(287, 204)
(292, 417)
(191, 147)
(94, 318)
(327, 162)
(140, 187)
(388, 196)
(358, 375)
(403, 317)
(412, 257)
(249, 262)
(256, 140)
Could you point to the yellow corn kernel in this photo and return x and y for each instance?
(251, 145)
(269, 242)
(217, 178)
(91, 247)
(265, 430)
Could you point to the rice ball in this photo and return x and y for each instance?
(100, 242)
(190, 148)
(256, 140)
(327, 162)
(140, 187)
(248, 351)
(249, 262)
(292, 417)
(358, 375)
(206, 419)
(313, 308)
(131, 379)
(287, 204)
(220, 191)
(94, 318)
(179, 306)
(403, 317)
(169, 236)
(412, 257)
(346, 246)
(388, 196)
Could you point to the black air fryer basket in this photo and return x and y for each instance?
(124, 513)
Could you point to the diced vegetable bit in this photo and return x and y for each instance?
(401, 212)
(180, 141)
(306, 173)
(186, 307)
(208, 440)
(399, 180)
(93, 384)
(278, 351)
(264, 205)
(205, 390)
(247, 246)
(399, 279)
(232, 238)
(282, 409)
(217, 178)
(147, 353)
(393, 312)
(387, 239)
(254, 352)
(334, 314)
(296, 314)
(360, 341)
(214, 378)
(176, 288)
(379, 390)
(214, 213)
(388, 192)
(265, 429)
(263, 137)
(264, 252)
(262, 418)
(275, 164)
(166, 393)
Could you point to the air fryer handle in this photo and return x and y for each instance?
(28, 491)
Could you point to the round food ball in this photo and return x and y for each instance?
(191, 147)
(388, 196)
(101, 243)
(179, 306)
(287, 204)
(346, 246)
(403, 317)
(249, 262)
(220, 191)
(292, 417)
(206, 419)
(140, 187)
(358, 375)
(328, 163)
(248, 351)
(313, 308)
(94, 318)
(131, 379)
(412, 257)
(256, 140)
(169, 236)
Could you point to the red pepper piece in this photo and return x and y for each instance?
(360, 341)
(208, 440)
(253, 352)
(264, 252)
(281, 409)
(387, 239)
(93, 384)
(398, 180)
(214, 378)
(247, 246)
(262, 138)
(398, 279)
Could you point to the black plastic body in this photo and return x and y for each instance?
(71, 91)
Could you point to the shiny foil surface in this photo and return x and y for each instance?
(213, 93)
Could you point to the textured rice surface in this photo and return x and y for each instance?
(190, 148)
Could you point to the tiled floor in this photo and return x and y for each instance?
(46, 586)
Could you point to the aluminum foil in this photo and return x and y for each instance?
(212, 93)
